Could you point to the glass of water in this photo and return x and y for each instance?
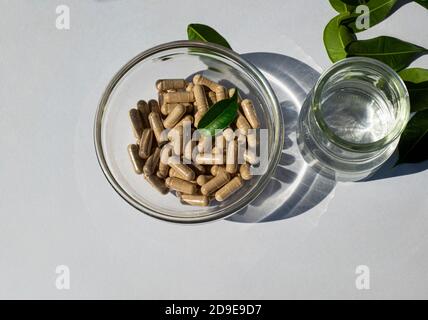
(352, 121)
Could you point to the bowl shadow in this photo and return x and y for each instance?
(295, 187)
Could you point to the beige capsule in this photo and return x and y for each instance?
(221, 93)
(137, 123)
(185, 121)
(250, 113)
(232, 157)
(182, 169)
(179, 97)
(158, 129)
(209, 158)
(189, 87)
(251, 157)
(214, 169)
(167, 108)
(200, 97)
(168, 84)
(137, 162)
(146, 143)
(215, 183)
(205, 144)
(203, 178)
(174, 117)
(180, 185)
(242, 123)
(199, 115)
(173, 173)
(212, 97)
(144, 109)
(232, 92)
(220, 145)
(189, 150)
(163, 169)
(195, 200)
(198, 168)
(152, 163)
(157, 183)
(154, 106)
(228, 189)
(245, 171)
(229, 134)
(199, 79)
(175, 135)
(252, 138)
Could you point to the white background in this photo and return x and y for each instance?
(57, 208)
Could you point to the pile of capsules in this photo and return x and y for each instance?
(200, 170)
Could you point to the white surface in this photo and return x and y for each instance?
(57, 208)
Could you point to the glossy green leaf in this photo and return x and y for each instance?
(416, 80)
(394, 52)
(423, 3)
(379, 11)
(341, 6)
(413, 146)
(201, 32)
(219, 116)
(337, 37)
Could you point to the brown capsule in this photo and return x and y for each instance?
(215, 183)
(163, 170)
(250, 113)
(154, 106)
(242, 123)
(220, 93)
(185, 121)
(172, 173)
(198, 168)
(189, 87)
(178, 97)
(195, 200)
(146, 143)
(189, 150)
(199, 115)
(245, 171)
(199, 79)
(209, 158)
(144, 109)
(158, 129)
(203, 178)
(182, 169)
(175, 116)
(205, 144)
(137, 162)
(232, 92)
(167, 108)
(180, 185)
(157, 183)
(200, 97)
(251, 157)
(175, 135)
(214, 169)
(137, 123)
(232, 157)
(212, 97)
(230, 188)
(168, 84)
(152, 163)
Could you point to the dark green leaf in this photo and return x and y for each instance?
(413, 146)
(219, 116)
(337, 37)
(394, 52)
(423, 3)
(201, 32)
(379, 10)
(341, 7)
(416, 80)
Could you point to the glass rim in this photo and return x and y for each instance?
(403, 107)
(252, 72)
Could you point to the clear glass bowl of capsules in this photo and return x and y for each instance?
(136, 81)
(353, 119)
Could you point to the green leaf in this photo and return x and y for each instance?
(337, 37)
(413, 146)
(341, 7)
(379, 11)
(416, 80)
(219, 116)
(201, 32)
(423, 3)
(394, 52)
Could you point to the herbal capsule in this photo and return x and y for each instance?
(189, 149)
(215, 183)
(189, 87)
(198, 168)
(245, 172)
(167, 108)
(168, 84)
(209, 158)
(250, 113)
(220, 145)
(137, 123)
(251, 157)
(232, 157)
(212, 97)
(185, 121)
(157, 183)
(146, 143)
(174, 174)
(200, 97)
(220, 93)
(230, 188)
(214, 169)
(182, 169)
(178, 97)
(152, 163)
(181, 185)
(137, 162)
(199, 79)
(205, 144)
(154, 106)
(228, 134)
(202, 179)
(157, 126)
(195, 200)
(174, 117)
(199, 115)
(242, 123)
(232, 92)
(252, 138)
(144, 109)
(163, 170)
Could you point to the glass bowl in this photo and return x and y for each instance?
(136, 81)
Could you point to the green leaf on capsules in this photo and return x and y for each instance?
(204, 33)
(219, 116)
